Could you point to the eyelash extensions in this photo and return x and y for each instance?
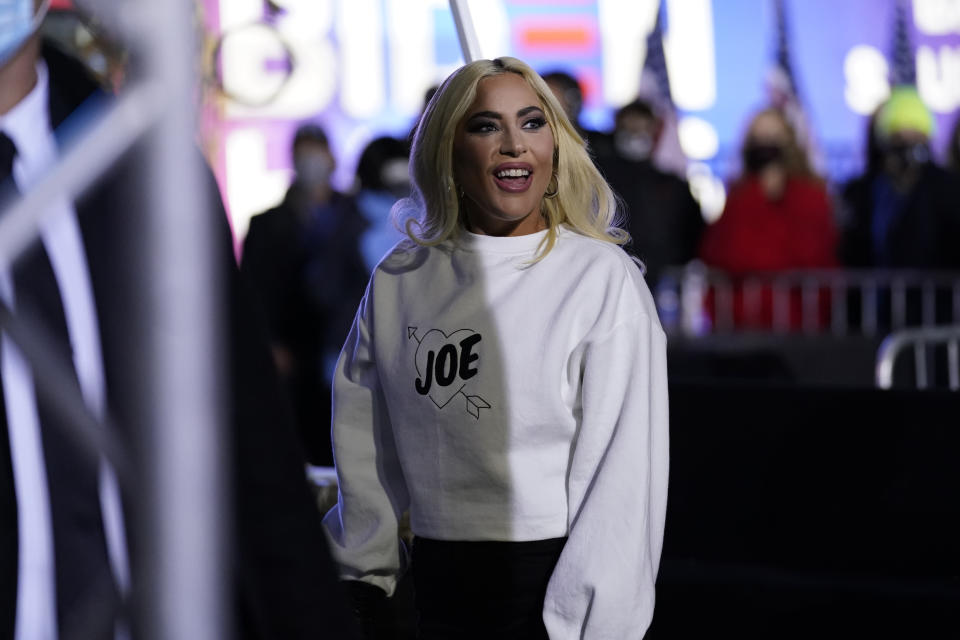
(485, 126)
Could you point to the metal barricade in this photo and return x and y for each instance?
(920, 340)
(696, 300)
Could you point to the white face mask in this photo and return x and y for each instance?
(18, 21)
(633, 146)
(395, 176)
(313, 169)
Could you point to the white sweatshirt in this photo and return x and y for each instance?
(499, 400)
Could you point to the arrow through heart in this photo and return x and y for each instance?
(444, 362)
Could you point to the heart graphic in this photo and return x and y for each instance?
(444, 362)
(438, 362)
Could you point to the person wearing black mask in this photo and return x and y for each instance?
(663, 218)
(777, 216)
(906, 214)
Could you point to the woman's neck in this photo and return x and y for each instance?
(488, 226)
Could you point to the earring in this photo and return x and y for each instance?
(556, 187)
(456, 189)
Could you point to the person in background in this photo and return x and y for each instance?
(663, 218)
(778, 216)
(568, 92)
(383, 177)
(905, 214)
(303, 261)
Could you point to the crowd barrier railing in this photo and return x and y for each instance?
(920, 340)
(696, 300)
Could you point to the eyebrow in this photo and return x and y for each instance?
(497, 116)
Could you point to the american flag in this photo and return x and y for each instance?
(903, 70)
(655, 62)
(655, 88)
(782, 87)
(783, 47)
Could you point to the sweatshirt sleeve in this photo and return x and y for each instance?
(362, 528)
(603, 584)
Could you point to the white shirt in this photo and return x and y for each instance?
(28, 126)
(503, 400)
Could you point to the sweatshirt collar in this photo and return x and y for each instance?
(510, 245)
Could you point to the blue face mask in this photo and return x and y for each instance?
(18, 21)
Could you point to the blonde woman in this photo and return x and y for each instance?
(505, 382)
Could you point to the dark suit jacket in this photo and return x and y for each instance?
(284, 579)
(663, 219)
(308, 275)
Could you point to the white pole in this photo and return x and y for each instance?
(465, 30)
(187, 498)
(185, 546)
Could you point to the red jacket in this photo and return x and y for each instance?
(755, 234)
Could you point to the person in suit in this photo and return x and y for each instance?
(69, 558)
(304, 262)
(663, 218)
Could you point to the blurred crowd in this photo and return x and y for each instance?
(311, 255)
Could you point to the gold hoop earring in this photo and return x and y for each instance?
(556, 187)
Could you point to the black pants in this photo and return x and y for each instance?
(467, 590)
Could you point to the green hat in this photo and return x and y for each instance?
(904, 111)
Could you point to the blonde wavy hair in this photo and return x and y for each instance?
(432, 213)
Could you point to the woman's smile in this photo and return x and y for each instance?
(515, 177)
